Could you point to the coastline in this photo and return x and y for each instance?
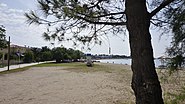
(126, 61)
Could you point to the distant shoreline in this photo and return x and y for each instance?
(125, 61)
(111, 58)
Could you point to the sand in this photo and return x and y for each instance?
(53, 85)
(61, 85)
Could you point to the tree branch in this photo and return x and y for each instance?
(99, 1)
(161, 6)
(105, 23)
(105, 15)
(110, 14)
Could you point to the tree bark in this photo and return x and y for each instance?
(145, 81)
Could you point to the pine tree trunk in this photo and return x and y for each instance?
(145, 81)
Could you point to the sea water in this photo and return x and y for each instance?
(125, 61)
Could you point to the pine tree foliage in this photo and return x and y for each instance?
(3, 42)
(92, 20)
(86, 20)
(172, 19)
(176, 16)
(100, 17)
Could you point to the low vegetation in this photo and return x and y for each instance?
(75, 66)
(176, 98)
(14, 70)
(172, 83)
(81, 67)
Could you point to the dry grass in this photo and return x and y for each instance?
(173, 86)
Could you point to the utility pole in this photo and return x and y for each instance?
(19, 54)
(9, 53)
(109, 51)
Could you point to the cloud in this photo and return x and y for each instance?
(16, 27)
(9, 15)
(23, 34)
(3, 5)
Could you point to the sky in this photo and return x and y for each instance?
(12, 17)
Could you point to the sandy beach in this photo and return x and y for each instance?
(58, 85)
(105, 84)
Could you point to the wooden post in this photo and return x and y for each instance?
(109, 50)
(8, 54)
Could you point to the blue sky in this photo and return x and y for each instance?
(12, 17)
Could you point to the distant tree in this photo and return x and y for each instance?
(28, 57)
(46, 56)
(67, 56)
(3, 42)
(58, 54)
(101, 17)
(42, 54)
(77, 55)
(45, 48)
(71, 53)
(37, 54)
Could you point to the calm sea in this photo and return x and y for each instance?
(126, 61)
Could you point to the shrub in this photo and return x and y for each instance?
(28, 57)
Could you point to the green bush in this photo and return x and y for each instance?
(46, 56)
(28, 57)
(58, 54)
